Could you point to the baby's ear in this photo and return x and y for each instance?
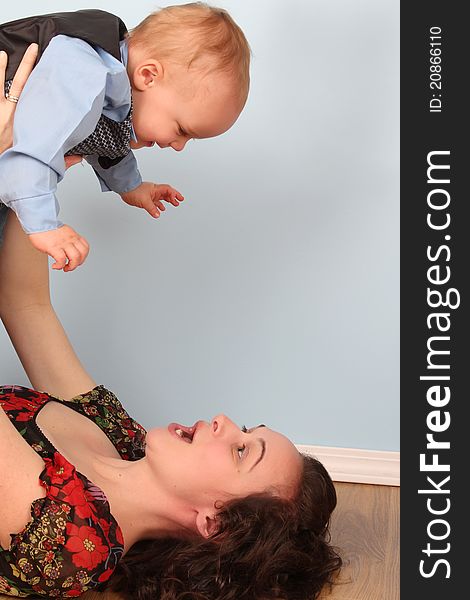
(206, 524)
(147, 73)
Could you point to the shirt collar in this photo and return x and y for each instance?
(124, 49)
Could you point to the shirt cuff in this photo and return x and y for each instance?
(120, 178)
(37, 214)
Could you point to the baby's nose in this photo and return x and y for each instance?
(179, 145)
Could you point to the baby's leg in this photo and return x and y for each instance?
(34, 329)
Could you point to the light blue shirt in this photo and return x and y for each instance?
(62, 101)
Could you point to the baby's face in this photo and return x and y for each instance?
(170, 109)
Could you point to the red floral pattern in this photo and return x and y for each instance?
(73, 543)
(86, 547)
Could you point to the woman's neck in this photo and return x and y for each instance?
(141, 507)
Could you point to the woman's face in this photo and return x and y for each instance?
(222, 462)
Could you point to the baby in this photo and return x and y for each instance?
(99, 92)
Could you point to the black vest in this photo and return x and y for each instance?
(110, 139)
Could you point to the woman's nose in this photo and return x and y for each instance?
(218, 424)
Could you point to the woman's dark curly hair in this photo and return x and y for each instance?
(265, 547)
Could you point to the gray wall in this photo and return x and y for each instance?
(272, 293)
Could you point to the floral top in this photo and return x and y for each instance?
(73, 543)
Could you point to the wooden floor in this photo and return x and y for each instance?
(365, 528)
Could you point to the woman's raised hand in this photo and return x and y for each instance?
(8, 103)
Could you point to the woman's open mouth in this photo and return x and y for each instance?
(186, 434)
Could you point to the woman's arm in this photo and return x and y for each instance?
(25, 307)
(34, 329)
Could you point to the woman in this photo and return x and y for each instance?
(209, 511)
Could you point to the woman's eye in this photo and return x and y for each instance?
(241, 451)
(244, 429)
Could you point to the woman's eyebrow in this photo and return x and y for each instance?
(262, 453)
(257, 426)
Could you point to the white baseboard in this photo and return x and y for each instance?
(358, 466)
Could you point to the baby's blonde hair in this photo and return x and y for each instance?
(197, 36)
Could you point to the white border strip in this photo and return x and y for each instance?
(357, 466)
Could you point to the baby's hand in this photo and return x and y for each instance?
(149, 196)
(64, 245)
